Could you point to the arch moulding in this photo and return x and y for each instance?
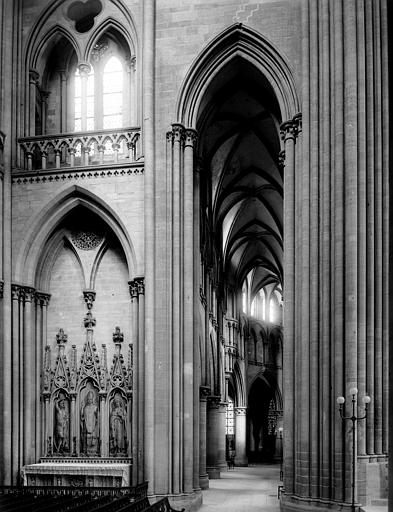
(51, 216)
(237, 40)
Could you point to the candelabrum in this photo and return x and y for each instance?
(354, 419)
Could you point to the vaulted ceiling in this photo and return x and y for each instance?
(240, 146)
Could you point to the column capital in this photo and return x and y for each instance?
(213, 401)
(33, 76)
(16, 291)
(28, 293)
(133, 289)
(190, 137)
(42, 298)
(177, 132)
(45, 95)
(84, 68)
(204, 392)
(63, 73)
(291, 128)
(140, 283)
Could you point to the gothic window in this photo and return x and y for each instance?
(112, 93)
(98, 96)
(101, 88)
(84, 101)
(230, 417)
(258, 305)
(244, 298)
(272, 309)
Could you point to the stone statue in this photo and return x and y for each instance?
(89, 425)
(62, 426)
(117, 426)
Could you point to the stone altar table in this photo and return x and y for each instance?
(77, 474)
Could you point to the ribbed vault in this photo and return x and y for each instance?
(243, 193)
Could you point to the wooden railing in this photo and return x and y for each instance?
(81, 149)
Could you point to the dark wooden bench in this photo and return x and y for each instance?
(136, 506)
(117, 504)
(25, 503)
(162, 505)
(93, 504)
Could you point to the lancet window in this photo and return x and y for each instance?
(100, 90)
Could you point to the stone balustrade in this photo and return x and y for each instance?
(80, 149)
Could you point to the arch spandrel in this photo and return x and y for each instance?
(237, 41)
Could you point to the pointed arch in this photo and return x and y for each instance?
(111, 25)
(52, 215)
(236, 41)
(36, 51)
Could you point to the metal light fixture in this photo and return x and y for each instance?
(341, 401)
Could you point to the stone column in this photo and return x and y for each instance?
(136, 414)
(288, 133)
(63, 95)
(33, 81)
(84, 70)
(336, 330)
(10, 21)
(240, 436)
(29, 381)
(177, 413)
(143, 374)
(203, 476)
(213, 437)
(44, 110)
(221, 455)
(148, 101)
(16, 405)
(104, 427)
(190, 425)
(132, 100)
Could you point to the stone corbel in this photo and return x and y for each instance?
(90, 297)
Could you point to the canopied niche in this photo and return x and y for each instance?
(87, 382)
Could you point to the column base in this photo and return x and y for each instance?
(213, 472)
(204, 481)
(298, 504)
